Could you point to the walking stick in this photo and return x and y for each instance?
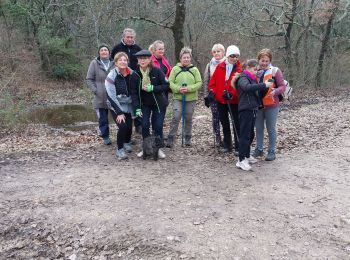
(183, 116)
(231, 115)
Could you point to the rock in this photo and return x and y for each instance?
(72, 257)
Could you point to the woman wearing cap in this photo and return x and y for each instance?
(226, 96)
(218, 52)
(185, 81)
(95, 79)
(268, 115)
(149, 100)
(119, 93)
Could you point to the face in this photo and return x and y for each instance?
(104, 53)
(233, 58)
(185, 59)
(264, 62)
(144, 62)
(122, 63)
(129, 38)
(253, 70)
(218, 54)
(159, 51)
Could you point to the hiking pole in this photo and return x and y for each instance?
(231, 115)
(183, 116)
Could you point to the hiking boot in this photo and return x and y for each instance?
(270, 156)
(258, 153)
(121, 155)
(106, 140)
(236, 153)
(161, 154)
(169, 142)
(252, 160)
(140, 154)
(188, 141)
(244, 165)
(128, 147)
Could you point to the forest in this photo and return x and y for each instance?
(309, 38)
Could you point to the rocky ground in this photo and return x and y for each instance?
(63, 195)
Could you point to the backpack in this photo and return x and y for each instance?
(184, 69)
(288, 91)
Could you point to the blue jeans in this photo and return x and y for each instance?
(157, 119)
(102, 115)
(268, 116)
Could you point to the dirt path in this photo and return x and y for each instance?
(85, 204)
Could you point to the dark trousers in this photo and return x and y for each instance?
(224, 117)
(151, 115)
(124, 129)
(102, 115)
(153, 120)
(247, 122)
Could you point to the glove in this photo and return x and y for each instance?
(227, 95)
(206, 102)
(269, 83)
(138, 112)
(150, 88)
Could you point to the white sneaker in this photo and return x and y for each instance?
(161, 154)
(252, 160)
(140, 154)
(244, 165)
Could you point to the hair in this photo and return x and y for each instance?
(154, 45)
(248, 64)
(129, 30)
(218, 46)
(265, 52)
(185, 50)
(120, 54)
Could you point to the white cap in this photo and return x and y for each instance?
(232, 49)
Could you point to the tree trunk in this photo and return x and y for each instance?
(325, 42)
(178, 26)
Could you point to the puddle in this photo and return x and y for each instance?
(69, 117)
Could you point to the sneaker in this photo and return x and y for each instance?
(252, 160)
(107, 141)
(140, 154)
(128, 147)
(161, 154)
(244, 165)
(258, 153)
(236, 153)
(121, 154)
(226, 150)
(270, 156)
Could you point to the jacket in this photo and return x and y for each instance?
(156, 97)
(119, 91)
(95, 79)
(218, 83)
(192, 78)
(165, 63)
(247, 89)
(279, 85)
(130, 50)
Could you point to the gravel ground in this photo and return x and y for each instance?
(63, 195)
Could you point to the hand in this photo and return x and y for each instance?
(138, 112)
(269, 84)
(121, 119)
(227, 95)
(183, 90)
(272, 93)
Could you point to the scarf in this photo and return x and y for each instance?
(145, 76)
(249, 74)
(229, 68)
(105, 63)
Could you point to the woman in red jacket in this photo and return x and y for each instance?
(226, 96)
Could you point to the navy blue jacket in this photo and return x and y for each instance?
(130, 50)
(248, 92)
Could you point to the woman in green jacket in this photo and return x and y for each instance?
(185, 81)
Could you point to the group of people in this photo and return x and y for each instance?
(134, 85)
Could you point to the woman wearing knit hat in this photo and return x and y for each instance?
(226, 96)
(95, 79)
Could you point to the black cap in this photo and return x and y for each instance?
(143, 53)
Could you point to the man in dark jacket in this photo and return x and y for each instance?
(127, 45)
